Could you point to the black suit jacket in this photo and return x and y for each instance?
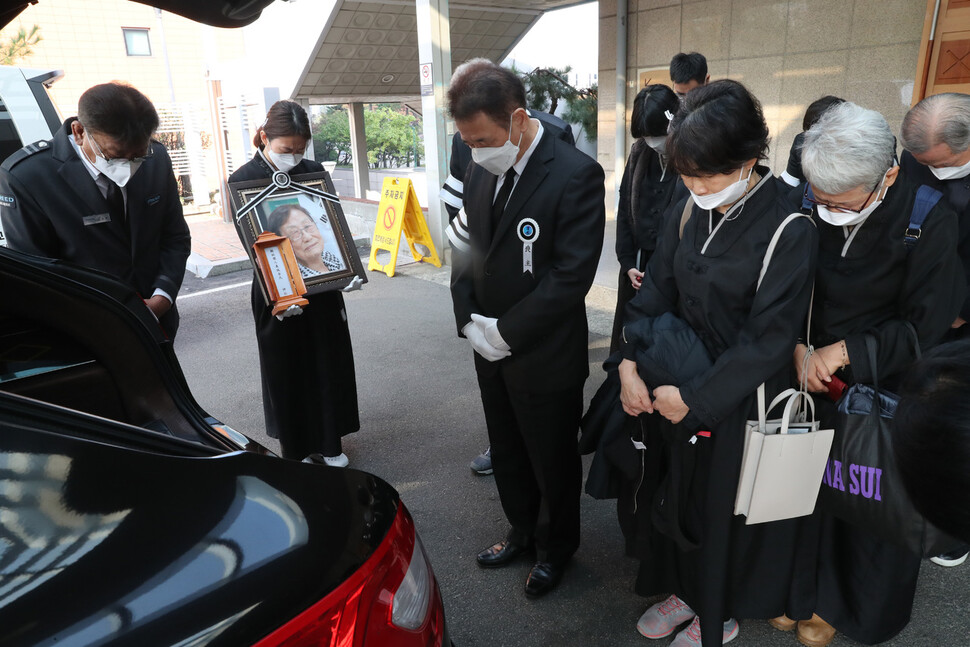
(52, 207)
(461, 157)
(541, 315)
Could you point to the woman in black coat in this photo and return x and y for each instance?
(306, 361)
(647, 189)
(717, 568)
(868, 282)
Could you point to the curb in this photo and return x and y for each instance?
(203, 267)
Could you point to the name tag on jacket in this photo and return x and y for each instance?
(96, 219)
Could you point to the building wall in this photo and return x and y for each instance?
(84, 39)
(787, 52)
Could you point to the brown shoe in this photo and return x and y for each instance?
(783, 623)
(815, 632)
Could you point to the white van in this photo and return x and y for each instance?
(27, 113)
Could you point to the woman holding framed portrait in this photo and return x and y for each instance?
(306, 361)
(309, 244)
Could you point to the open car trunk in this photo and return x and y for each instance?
(218, 13)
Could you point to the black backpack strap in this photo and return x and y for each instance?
(926, 199)
(807, 197)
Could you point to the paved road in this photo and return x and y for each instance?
(421, 422)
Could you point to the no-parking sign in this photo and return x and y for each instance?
(427, 84)
(399, 212)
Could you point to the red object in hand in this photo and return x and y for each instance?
(836, 388)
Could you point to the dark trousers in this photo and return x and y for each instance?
(538, 472)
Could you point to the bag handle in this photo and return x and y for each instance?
(912, 330)
(871, 351)
(781, 397)
(762, 412)
(803, 383)
(774, 243)
(799, 397)
(791, 398)
(871, 346)
(684, 217)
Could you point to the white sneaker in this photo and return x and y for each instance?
(691, 636)
(340, 460)
(953, 558)
(664, 617)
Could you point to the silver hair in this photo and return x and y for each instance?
(941, 118)
(848, 147)
(469, 64)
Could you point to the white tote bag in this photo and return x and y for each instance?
(784, 458)
(783, 461)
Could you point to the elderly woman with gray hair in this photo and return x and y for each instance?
(868, 282)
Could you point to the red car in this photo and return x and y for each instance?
(129, 516)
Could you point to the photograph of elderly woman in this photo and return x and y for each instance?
(306, 223)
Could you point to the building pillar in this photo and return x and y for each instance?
(434, 48)
(621, 55)
(358, 149)
(193, 149)
(214, 87)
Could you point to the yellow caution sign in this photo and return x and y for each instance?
(399, 211)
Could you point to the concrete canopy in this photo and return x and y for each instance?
(368, 49)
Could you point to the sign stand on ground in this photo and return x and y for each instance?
(399, 211)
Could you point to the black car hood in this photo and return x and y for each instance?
(105, 545)
(218, 13)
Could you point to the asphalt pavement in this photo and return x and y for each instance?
(421, 424)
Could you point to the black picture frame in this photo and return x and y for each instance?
(259, 205)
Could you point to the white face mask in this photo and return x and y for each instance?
(847, 219)
(658, 144)
(727, 195)
(284, 161)
(951, 172)
(118, 171)
(498, 159)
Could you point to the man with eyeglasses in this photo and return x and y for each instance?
(888, 272)
(936, 136)
(102, 194)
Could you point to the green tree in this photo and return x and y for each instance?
(582, 110)
(20, 45)
(391, 133)
(390, 136)
(546, 87)
(331, 135)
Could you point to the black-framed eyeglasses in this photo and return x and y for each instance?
(117, 160)
(809, 197)
(299, 233)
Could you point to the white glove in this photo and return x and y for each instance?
(489, 326)
(289, 312)
(355, 284)
(477, 339)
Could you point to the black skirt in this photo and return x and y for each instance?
(307, 370)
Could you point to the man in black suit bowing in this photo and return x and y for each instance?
(535, 209)
(102, 194)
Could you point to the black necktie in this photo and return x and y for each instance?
(498, 207)
(116, 205)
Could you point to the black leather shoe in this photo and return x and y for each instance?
(543, 578)
(500, 554)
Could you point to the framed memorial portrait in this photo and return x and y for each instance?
(306, 210)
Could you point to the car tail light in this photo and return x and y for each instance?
(410, 607)
(390, 601)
